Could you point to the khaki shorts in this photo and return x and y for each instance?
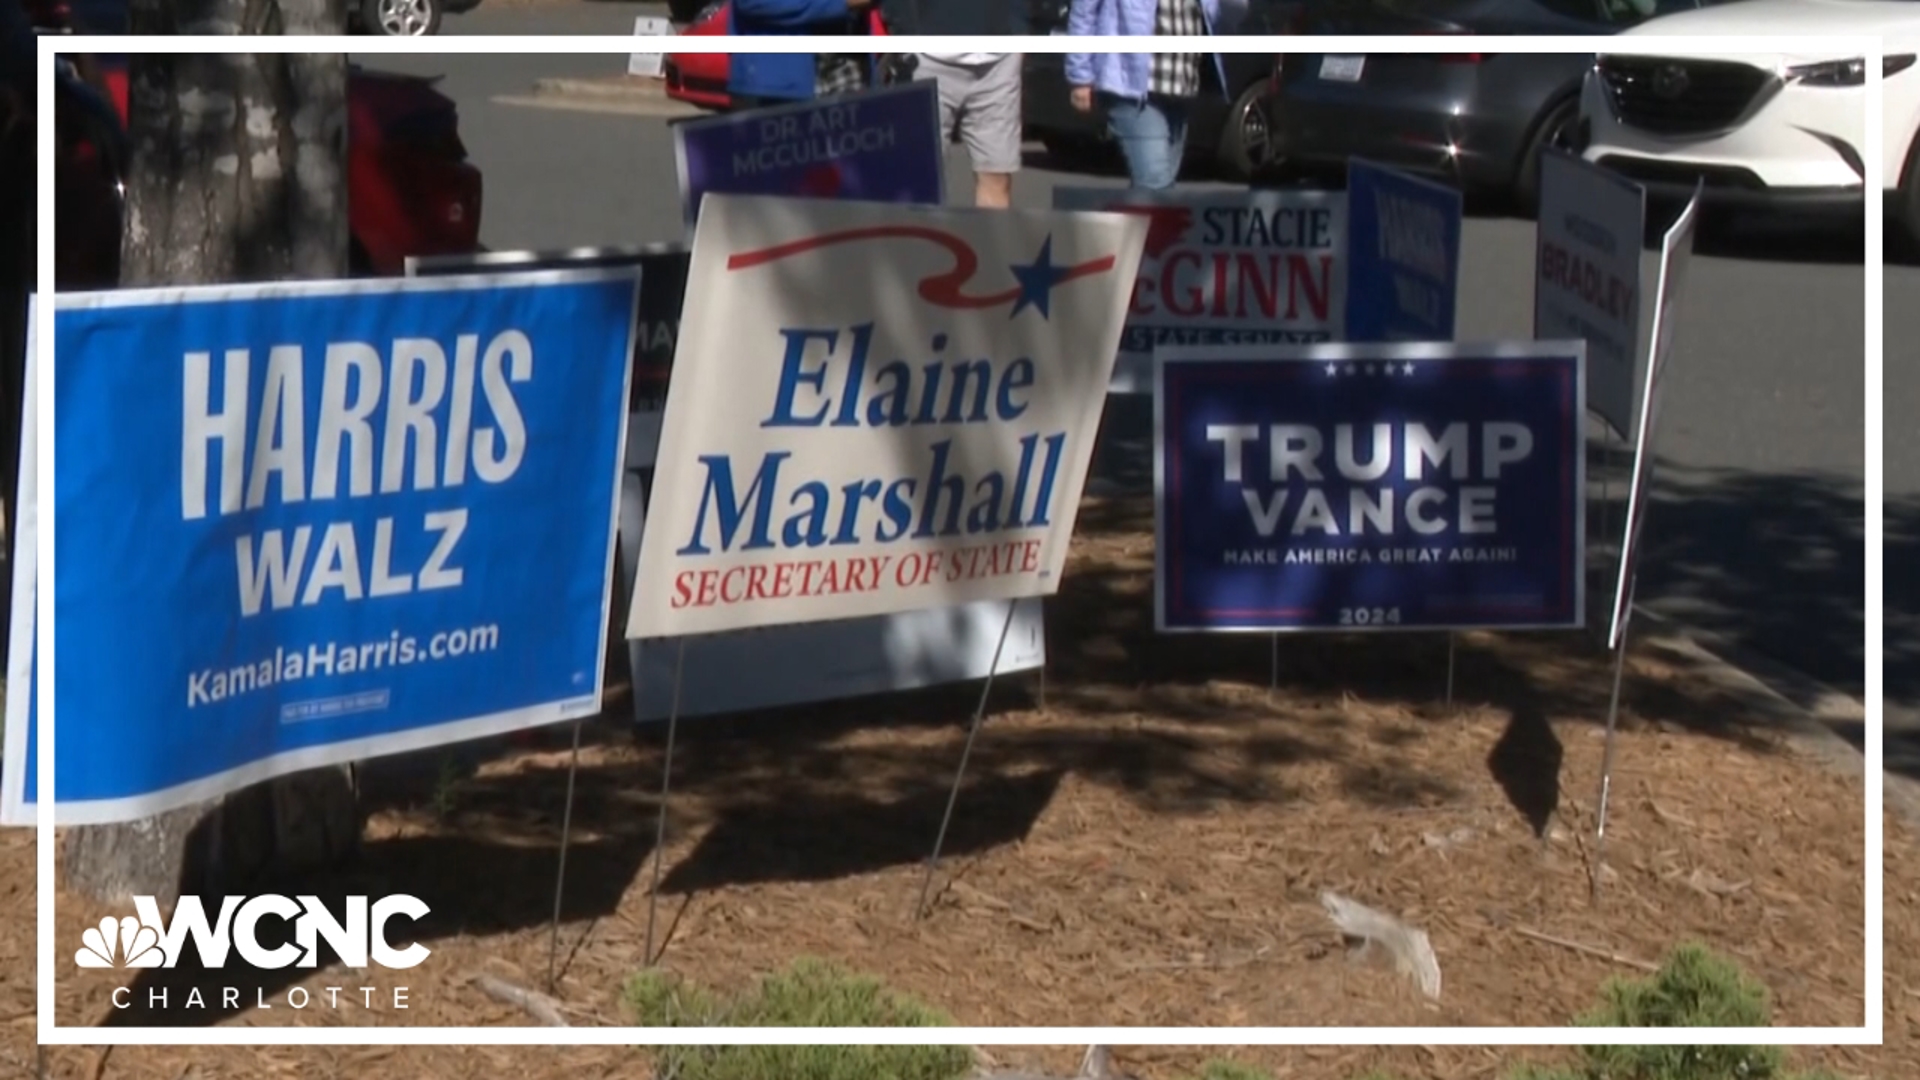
(980, 106)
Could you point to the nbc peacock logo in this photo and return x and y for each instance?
(125, 942)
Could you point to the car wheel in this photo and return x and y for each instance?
(1552, 130)
(1246, 138)
(401, 18)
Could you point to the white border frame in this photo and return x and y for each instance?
(1869, 1034)
(1166, 356)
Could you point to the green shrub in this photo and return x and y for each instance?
(809, 993)
(1694, 988)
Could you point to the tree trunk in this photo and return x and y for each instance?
(237, 174)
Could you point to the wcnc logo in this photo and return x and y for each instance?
(147, 940)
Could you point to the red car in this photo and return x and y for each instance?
(411, 189)
(701, 78)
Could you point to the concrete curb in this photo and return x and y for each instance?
(633, 88)
(1801, 708)
(622, 95)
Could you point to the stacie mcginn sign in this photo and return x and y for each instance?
(300, 524)
(1263, 266)
(1389, 486)
(877, 409)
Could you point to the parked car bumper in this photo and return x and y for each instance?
(1453, 122)
(1755, 142)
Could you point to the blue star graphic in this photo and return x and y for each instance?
(1037, 280)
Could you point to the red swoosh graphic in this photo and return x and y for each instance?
(943, 290)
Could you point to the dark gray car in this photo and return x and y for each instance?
(1474, 120)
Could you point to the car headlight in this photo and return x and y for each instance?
(1846, 72)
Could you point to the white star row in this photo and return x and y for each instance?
(1335, 370)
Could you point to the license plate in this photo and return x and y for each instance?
(1342, 68)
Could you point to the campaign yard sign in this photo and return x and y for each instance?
(656, 321)
(801, 663)
(877, 409)
(791, 665)
(1390, 486)
(308, 523)
(1676, 256)
(1587, 275)
(879, 145)
(1403, 257)
(1252, 267)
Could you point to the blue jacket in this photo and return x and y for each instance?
(1125, 75)
(788, 76)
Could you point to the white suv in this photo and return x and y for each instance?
(1777, 128)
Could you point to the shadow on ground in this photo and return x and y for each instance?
(846, 788)
(1835, 239)
(1769, 562)
(1901, 637)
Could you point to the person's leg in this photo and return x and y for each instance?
(951, 84)
(1175, 112)
(1141, 130)
(992, 130)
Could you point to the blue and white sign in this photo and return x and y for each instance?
(879, 145)
(1383, 486)
(303, 524)
(1403, 255)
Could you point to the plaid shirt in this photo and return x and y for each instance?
(839, 73)
(1177, 74)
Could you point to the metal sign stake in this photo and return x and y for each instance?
(666, 783)
(953, 796)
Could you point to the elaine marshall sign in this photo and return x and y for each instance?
(792, 665)
(1587, 275)
(802, 663)
(1258, 267)
(879, 145)
(1370, 487)
(877, 409)
(310, 523)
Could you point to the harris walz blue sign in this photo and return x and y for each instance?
(1422, 486)
(349, 519)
